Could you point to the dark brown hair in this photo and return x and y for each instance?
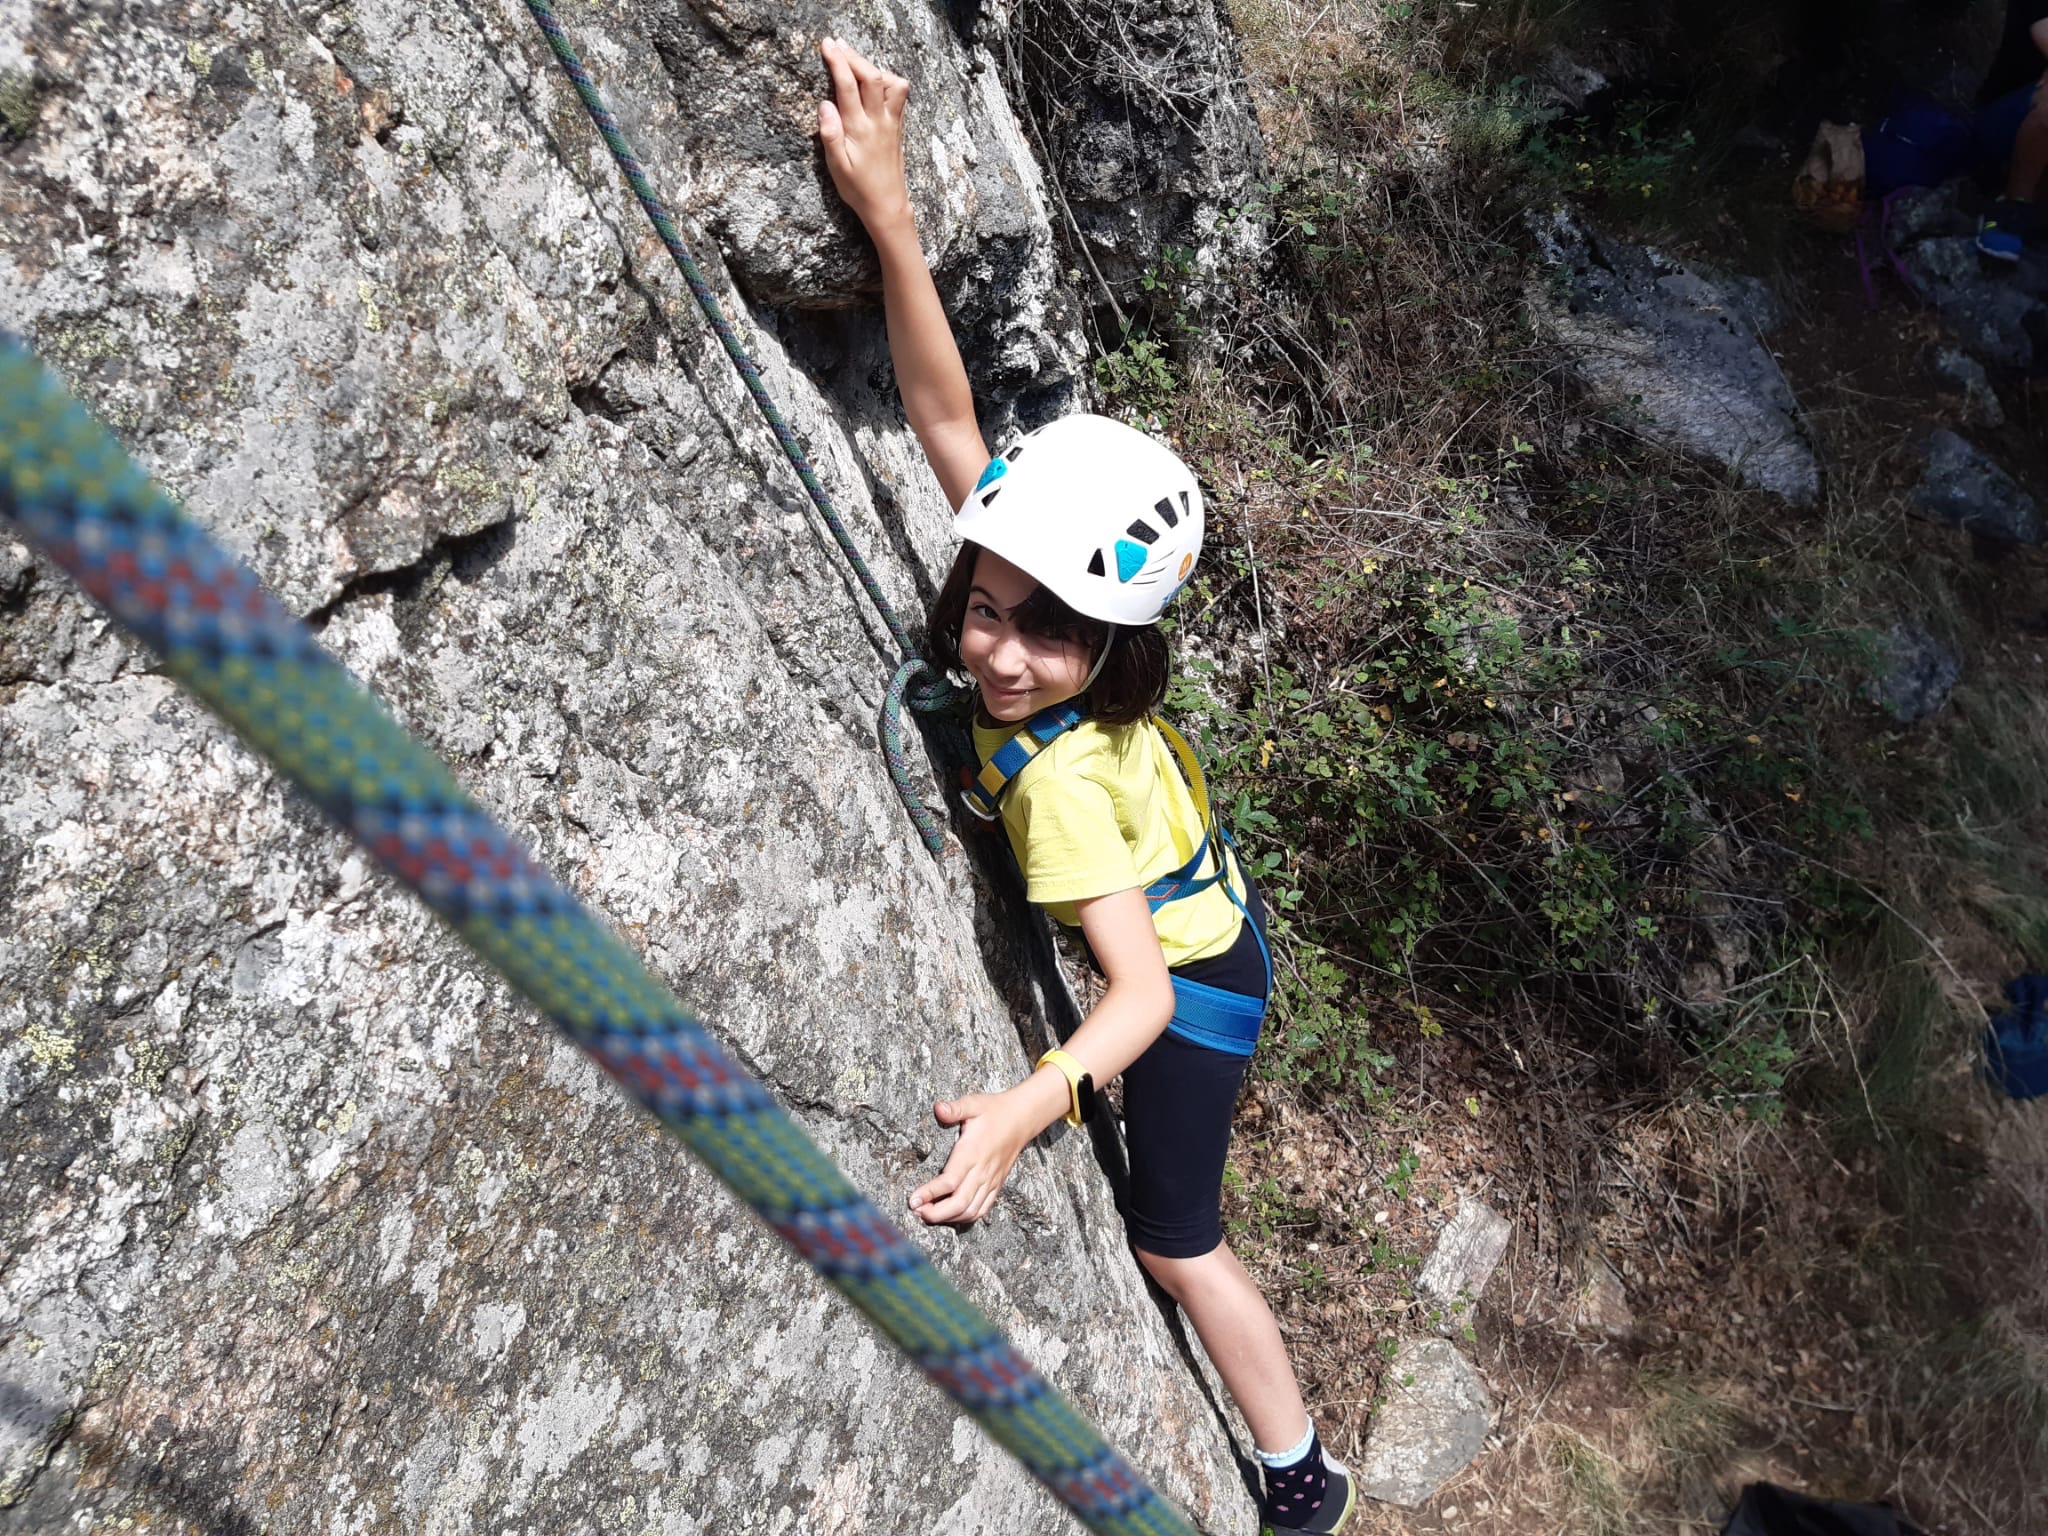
(1132, 683)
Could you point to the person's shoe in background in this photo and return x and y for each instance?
(2002, 233)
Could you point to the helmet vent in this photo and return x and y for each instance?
(1164, 507)
(1095, 567)
(1144, 533)
(993, 492)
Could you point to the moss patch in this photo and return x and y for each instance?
(21, 105)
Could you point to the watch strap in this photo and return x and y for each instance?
(1080, 1086)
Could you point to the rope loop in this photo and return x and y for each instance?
(934, 690)
(926, 690)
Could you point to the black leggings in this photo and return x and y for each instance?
(1178, 1100)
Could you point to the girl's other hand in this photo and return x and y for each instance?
(861, 129)
(994, 1128)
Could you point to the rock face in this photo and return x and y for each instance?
(1144, 97)
(308, 1227)
(1680, 348)
(1435, 1419)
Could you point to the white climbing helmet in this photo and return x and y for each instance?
(1105, 517)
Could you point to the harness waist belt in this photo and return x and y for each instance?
(1212, 1017)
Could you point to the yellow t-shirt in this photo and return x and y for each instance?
(1103, 809)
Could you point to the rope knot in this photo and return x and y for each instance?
(931, 689)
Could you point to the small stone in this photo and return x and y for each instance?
(1964, 487)
(1435, 1420)
(1466, 1254)
(1703, 984)
(1957, 367)
(1915, 674)
(1603, 1302)
(17, 567)
(1570, 82)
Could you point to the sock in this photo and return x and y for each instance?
(1296, 1479)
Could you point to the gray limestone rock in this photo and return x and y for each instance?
(1602, 1301)
(309, 1226)
(1679, 347)
(1434, 1421)
(1998, 313)
(1569, 81)
(1467, 1252)
(1915, 673)
(1958, 368)
(1961, 484)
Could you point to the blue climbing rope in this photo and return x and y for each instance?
(915, 680)
(71, 487)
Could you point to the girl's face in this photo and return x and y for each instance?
(1019, 673)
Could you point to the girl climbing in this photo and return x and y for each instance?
(1074, 540)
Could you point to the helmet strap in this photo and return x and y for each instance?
(1108, 643)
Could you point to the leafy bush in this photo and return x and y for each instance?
(1137, 374)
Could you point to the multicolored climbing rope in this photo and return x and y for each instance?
(73, 489)
(915, 680)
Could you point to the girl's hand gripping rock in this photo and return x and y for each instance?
(994, 1129)
(861, 129)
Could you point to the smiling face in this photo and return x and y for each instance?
(1020, 673)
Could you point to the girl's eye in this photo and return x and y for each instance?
(983, 611)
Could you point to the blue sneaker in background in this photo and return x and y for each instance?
(2001, 233)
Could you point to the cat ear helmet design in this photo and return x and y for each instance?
(1107, 519)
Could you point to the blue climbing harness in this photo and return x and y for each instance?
(1202, 1015)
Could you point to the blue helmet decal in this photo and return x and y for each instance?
(1130, 559)
(997, 468)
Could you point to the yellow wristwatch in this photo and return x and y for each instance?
(1080, 1086)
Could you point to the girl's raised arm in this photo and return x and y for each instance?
(861, 129)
